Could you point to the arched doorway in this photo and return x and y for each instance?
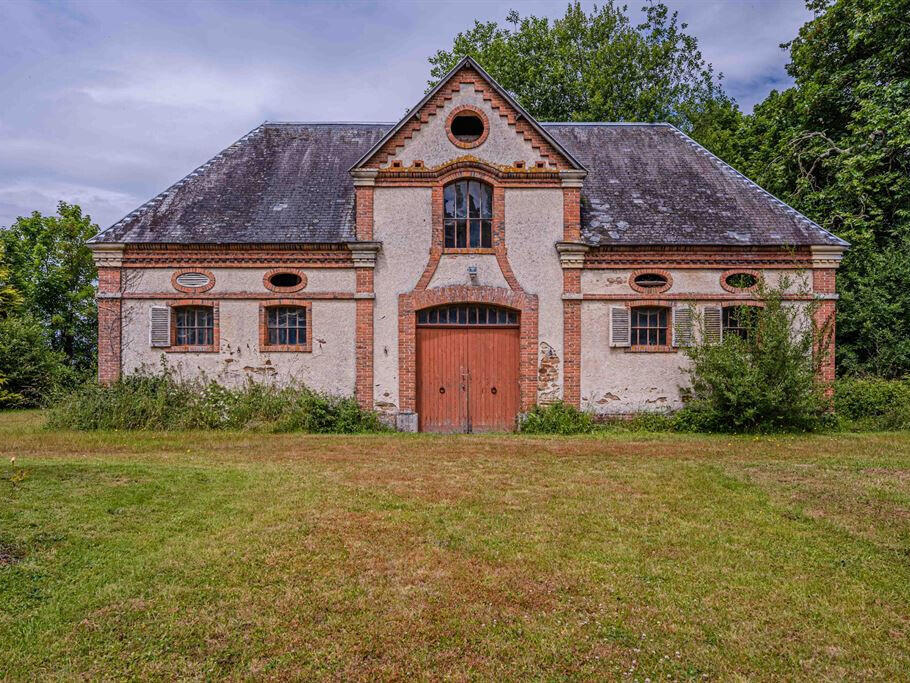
(467, 368)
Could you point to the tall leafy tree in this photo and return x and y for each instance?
(596, 66)
(51, 267)
(837, 147)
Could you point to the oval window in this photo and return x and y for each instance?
(467, 127)
(650, 280)
(285, 280)
(193, 280)
(741, 280)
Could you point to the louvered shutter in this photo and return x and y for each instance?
(159, 326)
(713, 324)
(619, 326)
(682, 326)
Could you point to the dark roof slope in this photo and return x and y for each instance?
(289, 182)
(279, 183)
(652, 184)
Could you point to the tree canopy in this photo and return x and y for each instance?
(595, 66)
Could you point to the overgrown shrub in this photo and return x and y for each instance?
(556, 418)
(762, 381)
(873, 403)
(161, 402)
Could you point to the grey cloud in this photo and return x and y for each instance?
(107, 104)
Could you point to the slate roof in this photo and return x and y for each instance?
(652, 184)
(646, 184)
(279, 183)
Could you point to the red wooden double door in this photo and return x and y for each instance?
(467, 368)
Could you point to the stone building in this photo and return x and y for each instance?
(455, 268)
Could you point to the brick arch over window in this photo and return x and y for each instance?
(474, 170)
(409, 304)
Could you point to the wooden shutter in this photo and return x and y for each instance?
(682, 325)
(713, 317)
(159, 326)
(619, 326)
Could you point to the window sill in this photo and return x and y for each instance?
(651, 349)
(285, 348)
(468, 250)
(189, 349)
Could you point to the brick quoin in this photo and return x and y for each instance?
(823, 282)
(571, 331)
(109, 325)
(363, 205)
(364, 340)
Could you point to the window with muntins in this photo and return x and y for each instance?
(739, 320)
(468, 215)
(194, 326)
(467, 314)
(649, 326)
(287, 325)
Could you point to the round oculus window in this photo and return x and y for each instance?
(650, 280)
(741, 280)
(285, 280)
(192, 280)
(467, 127)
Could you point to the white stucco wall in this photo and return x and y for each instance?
(534, 223)
(431, 144)
(453, 270)
(329, 367)
(402, 222)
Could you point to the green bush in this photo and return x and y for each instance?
(873, 403)
(556, 418)
(161, 402)
(763, 381)
(29, 368)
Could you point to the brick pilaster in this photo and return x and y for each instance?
(109, 324)
(363, 206)
(571, 334)
(364, 339)
(823, 283)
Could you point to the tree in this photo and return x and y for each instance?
(10, 298)
(596, 67)
(836, 146)
(50, 265)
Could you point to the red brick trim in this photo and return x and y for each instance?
(437, 218)
(196, 257)
(284, 290)
(192, 290)
(508, 176)
(467, 76)
(363, 341)
(460, 110)
(824, 319)
(239, 295)
(216, 323)
(264, 345)
(363, 211)
(653, 257)
(650, 290)
(409, 304)
(110, 306)
(571, 214)
(636, 299)
(740, 271)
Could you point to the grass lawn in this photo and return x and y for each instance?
(148, 555)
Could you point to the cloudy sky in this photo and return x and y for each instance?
(108, 103)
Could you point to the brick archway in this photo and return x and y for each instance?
(409, 304)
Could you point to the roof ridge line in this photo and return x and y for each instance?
(605, 123)
(748, 182)
(328, 123)
(142, 208)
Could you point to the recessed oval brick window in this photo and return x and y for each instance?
(284, 280)
(739, 280)
(650, 281)
(467, 127)
(192, 280)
